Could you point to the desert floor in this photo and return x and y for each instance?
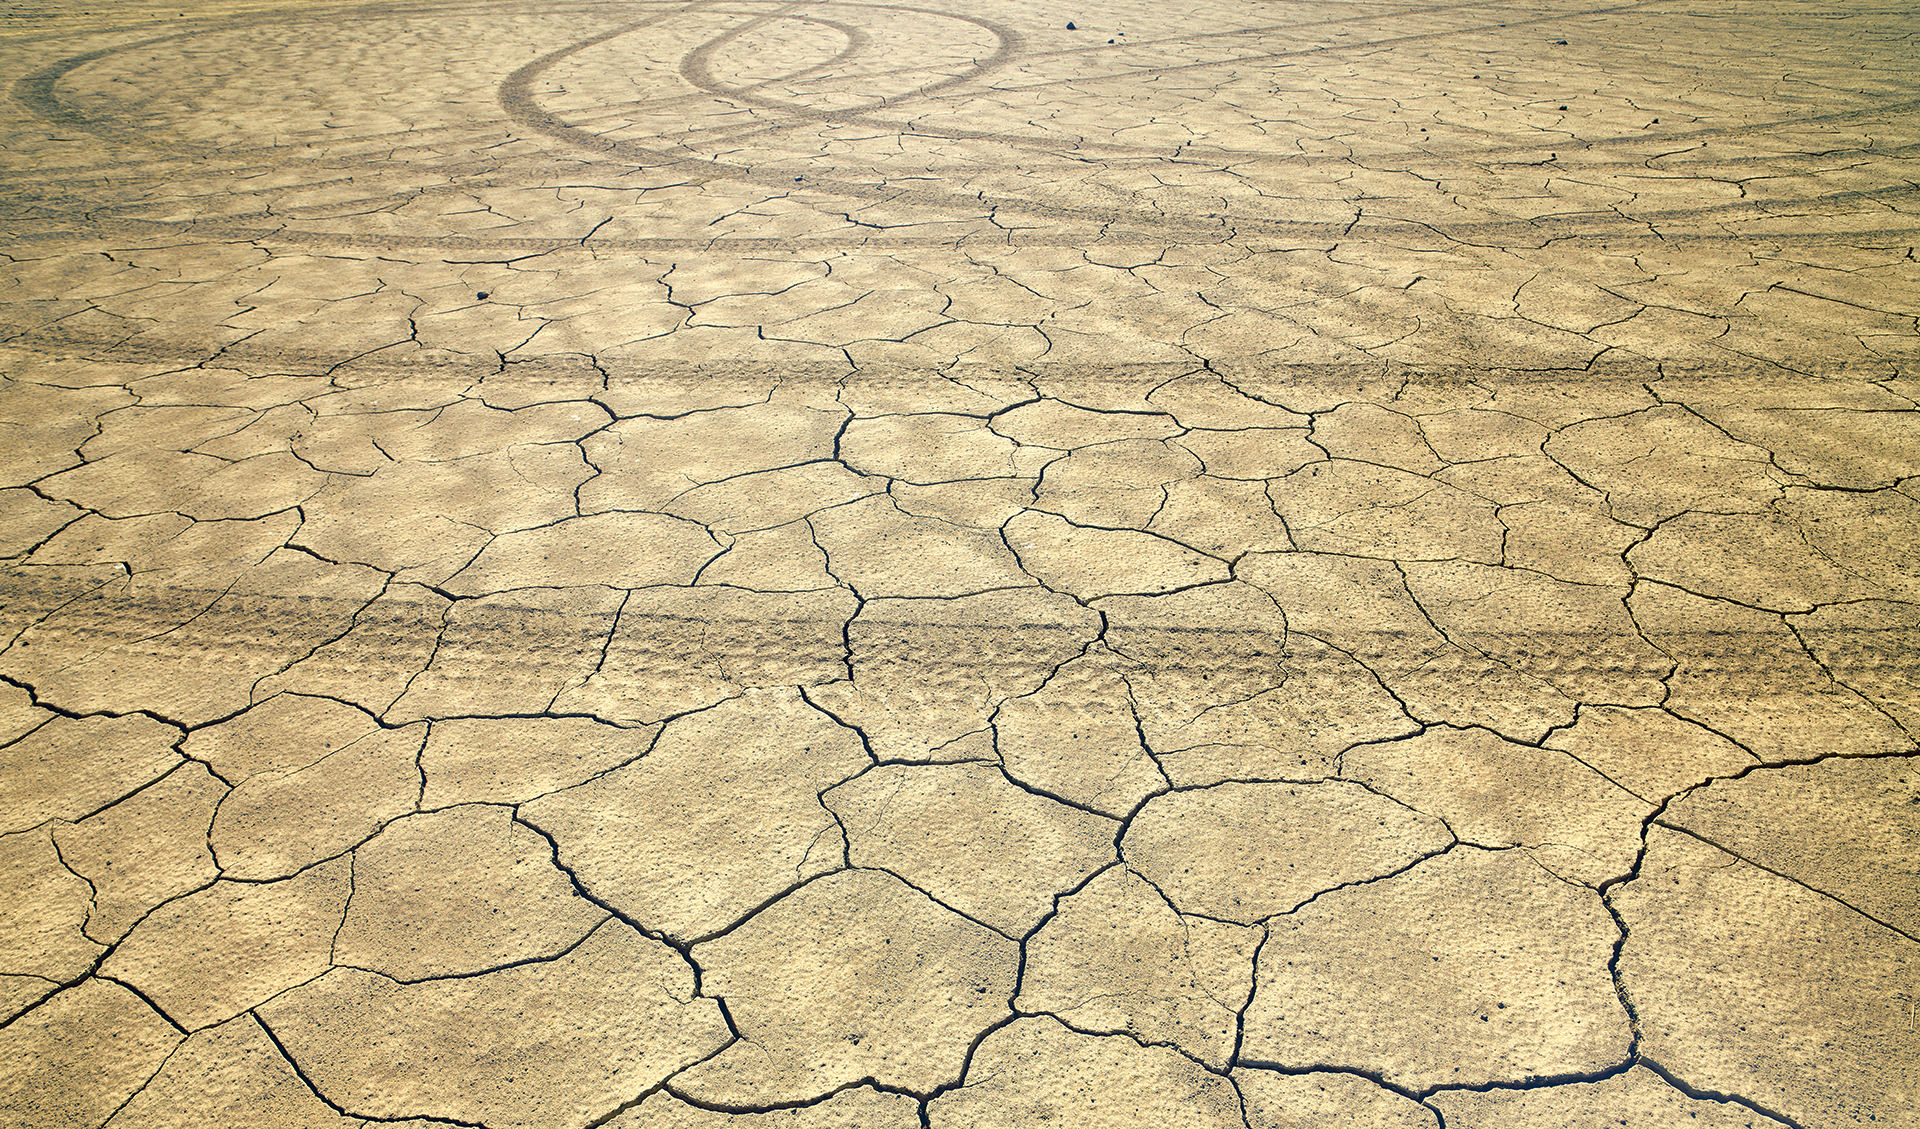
(960, 564)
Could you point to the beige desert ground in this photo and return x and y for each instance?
(963, 564)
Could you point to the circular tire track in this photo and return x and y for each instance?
(37, 92)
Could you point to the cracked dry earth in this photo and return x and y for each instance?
(856, 565)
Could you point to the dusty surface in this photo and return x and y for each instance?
(854, 565)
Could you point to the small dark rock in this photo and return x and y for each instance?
(1559, 43)
(1070, 26)
(481, 295)
(1109, 41)
(1563, 107)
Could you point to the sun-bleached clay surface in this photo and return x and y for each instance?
(736, 564)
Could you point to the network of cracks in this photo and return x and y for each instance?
(1135, 739)
(879, 565)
